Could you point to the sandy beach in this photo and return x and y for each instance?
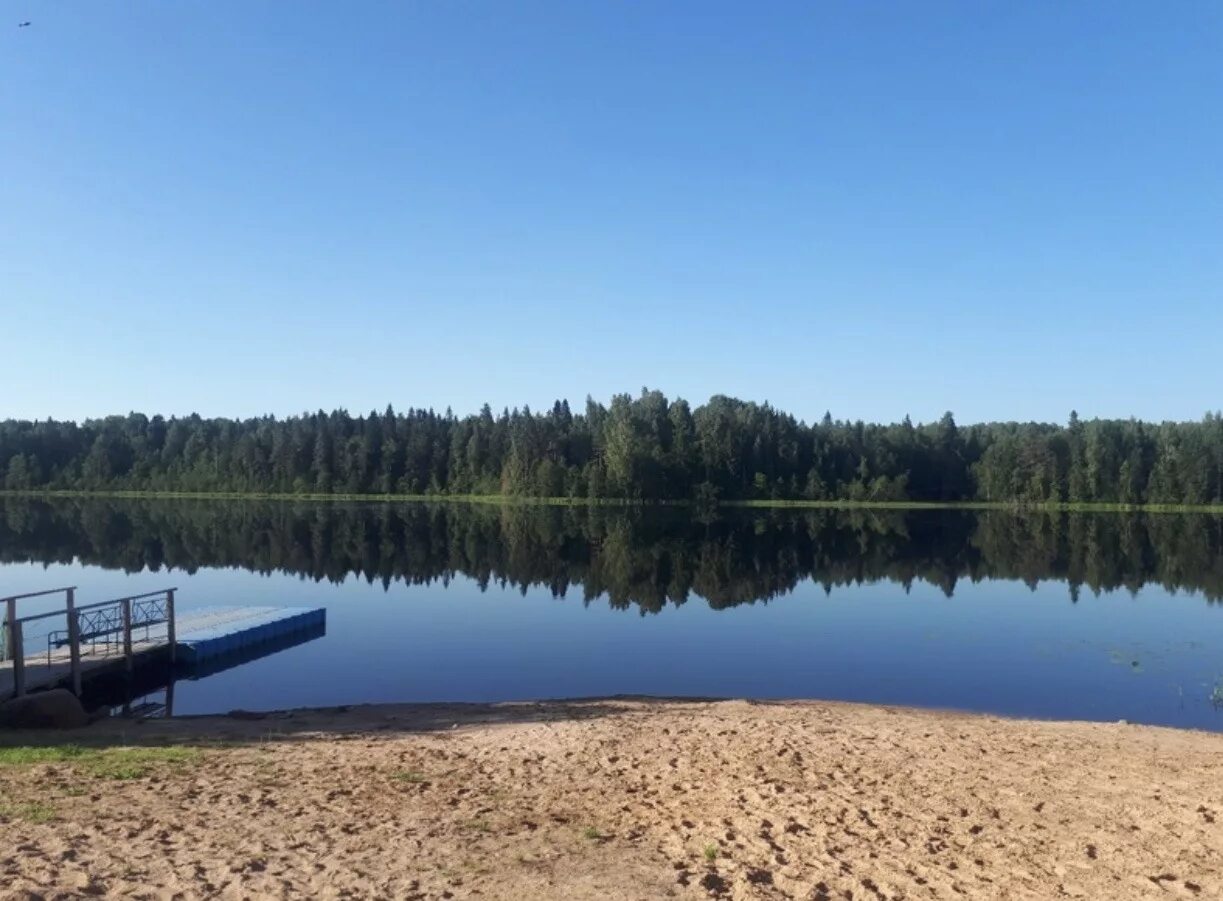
(622, 798)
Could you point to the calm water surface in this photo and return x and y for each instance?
(1099, 616)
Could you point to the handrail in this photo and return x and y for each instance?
(37, 616)
(136, 597)
(37, 594)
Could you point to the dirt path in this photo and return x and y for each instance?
(623, 799)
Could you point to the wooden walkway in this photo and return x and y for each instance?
(50, 670)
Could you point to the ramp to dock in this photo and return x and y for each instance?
(50, 648)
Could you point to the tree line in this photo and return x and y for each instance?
(631, 557)
(642, 448)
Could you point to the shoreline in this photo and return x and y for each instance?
(619, 798)
(619, 503)
(424, 716)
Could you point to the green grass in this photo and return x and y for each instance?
(21, 756)
(591, 833)
(711, 853)
(101, 763)
(496, 499)
(1011, 506)
(32, 812)
(512, 500)
(413, 777)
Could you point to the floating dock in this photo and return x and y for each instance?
(220, 631)
(77, 644)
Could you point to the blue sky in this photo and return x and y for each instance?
(878, 209)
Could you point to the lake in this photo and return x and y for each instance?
(1085, 616)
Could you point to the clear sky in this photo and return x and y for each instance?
(1006, 209)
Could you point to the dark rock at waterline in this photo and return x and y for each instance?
(54, 709)
(247, 715)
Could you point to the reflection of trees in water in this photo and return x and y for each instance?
(644, 557)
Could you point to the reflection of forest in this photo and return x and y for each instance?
(641, 556)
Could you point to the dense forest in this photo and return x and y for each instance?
(634, 558)
(643, 448)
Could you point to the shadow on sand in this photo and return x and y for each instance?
(348, 722)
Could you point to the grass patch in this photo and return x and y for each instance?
(412, 777)
(101, 763)
(711, 853)
(31, 812)
(22, 756)
(480, 826)
(1009, 506)
(592, 834)
(495, 499)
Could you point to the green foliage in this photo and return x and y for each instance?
(644, 448)
(705, 497)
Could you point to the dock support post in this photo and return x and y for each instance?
(18, 652)
(74, 641)
(127, 633)
(15, 650)
(10, 617)
(170, 633)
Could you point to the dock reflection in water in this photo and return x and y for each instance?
(150, 690)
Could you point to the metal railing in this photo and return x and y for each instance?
(107, 622)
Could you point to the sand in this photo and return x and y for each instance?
(627, 799)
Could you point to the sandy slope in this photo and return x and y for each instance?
(632, 799)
